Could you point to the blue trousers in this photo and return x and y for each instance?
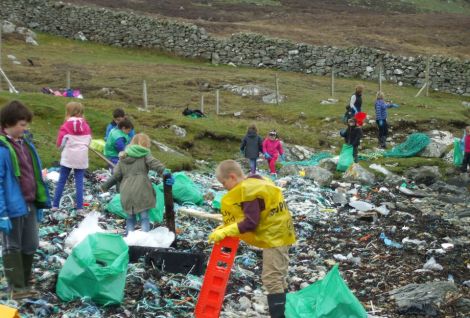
(253, 166)
(144, 222)
(64, 174)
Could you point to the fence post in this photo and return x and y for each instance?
(428, 67)
(277, 88)
(217, 102)
(145, 97)
(380, 77)
(202, 103)
(332, 82)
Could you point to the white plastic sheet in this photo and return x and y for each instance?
(159, 237)
(89, 225)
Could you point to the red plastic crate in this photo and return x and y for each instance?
(216, 278)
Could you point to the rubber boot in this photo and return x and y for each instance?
(13, 266)
(277, 305)
(27, 267)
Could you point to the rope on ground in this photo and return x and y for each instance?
(313, 161)
(413, 145)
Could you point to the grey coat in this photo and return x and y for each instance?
(137, 194)
(251, 145)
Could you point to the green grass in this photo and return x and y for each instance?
(441, 6)
(174, 83)
(255, 2)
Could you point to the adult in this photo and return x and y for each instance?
(356, 99)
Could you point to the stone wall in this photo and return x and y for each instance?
(128, 29)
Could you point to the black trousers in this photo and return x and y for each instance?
(466, 161)
(383, 132)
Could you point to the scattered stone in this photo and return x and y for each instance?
(321, 176)
(273, 99)
(422, 299)
(178, 131)
(426, 174)
(356, 173)
(440, 140)
(80, 36)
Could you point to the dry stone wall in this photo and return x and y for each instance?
(128, 29)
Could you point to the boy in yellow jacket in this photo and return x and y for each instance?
(255, 211)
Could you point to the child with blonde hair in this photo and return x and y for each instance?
(73, 139)
(131, 172)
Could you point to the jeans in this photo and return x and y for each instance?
(24, 235)
(253, 166)
(383, 132)
(144, 222)
(64, 174)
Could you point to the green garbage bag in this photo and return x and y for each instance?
(185, 191)
(155, 215)
(458, 153)
(96, 269)
(216, 203)
(327, 298)
(345, 158)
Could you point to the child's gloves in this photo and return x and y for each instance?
(283, 158)
(5, 225)
(39, 215)
(169, 180)
(267, 155)
(222, 232)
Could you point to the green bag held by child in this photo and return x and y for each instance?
(345, 158)
(327, 298)
(458, 153)
(96, 269)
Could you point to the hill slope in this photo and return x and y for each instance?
(404, 27)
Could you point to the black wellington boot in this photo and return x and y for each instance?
(277, 305)
(27, 267)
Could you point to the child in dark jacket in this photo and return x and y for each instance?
(23, 195)
(352, 136)
(466, 149)
(252, 146)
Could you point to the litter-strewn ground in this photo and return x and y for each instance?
(378, 251)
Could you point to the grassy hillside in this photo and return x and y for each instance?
(175, 83)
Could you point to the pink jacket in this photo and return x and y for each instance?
(272, 147)
(74, 137)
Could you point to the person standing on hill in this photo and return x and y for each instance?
(356, 99)
(381, 118)
(352, 136)
(272, 149)
(118, 116)
(23, 195)
(466, 149)
(251, 146)
(73, 138)
(117, 140)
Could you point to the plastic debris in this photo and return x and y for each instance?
(159, 237)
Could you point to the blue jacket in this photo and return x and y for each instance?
(113, 125)
(12, 203)
(381, 109)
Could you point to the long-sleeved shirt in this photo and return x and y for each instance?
(381, 109)
(466, 143)
(252, 210)
(356, 103)
(272, 147)
(353, 135)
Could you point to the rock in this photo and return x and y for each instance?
(461, 180)
(271, 98)
(398, 71)
(289, 170)
(339, 198)
(356, 173)
(31, 41)
(422, 299)
(296, 152)
(466, 105)
(328, 164)
(215, 59)
(425, 174)
(440, 140)
(463, 306)
(8, 27)
(449, 157)
(80, 36)
(321, 176)
(178, 131)
(244, 303)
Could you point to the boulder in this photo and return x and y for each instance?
(296, 152)
(425, 174)
(321, 176)
(289, 170)
(440, 140)
(8, 27)
(329, 164)
(178, 131)
(422, 299)
(356, 173)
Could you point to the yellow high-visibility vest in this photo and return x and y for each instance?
(275, 227)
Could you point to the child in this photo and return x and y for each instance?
(466, 148)
(356, 99)
(254, 210)
(381, 118)
(137, 194)
(23, 195)
(272, 148)
(251, 146)
(74, 138)
(117, 140)
(352, 135)
(118, 115)
(348, 114)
